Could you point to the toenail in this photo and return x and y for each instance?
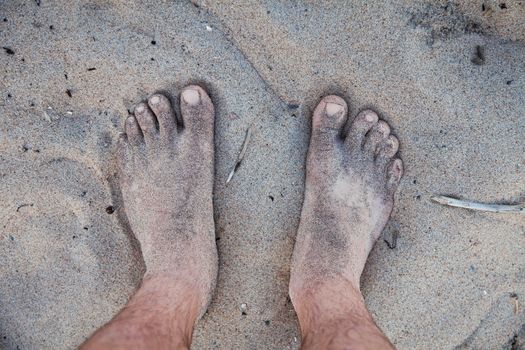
(371, 117)
(155, 100)
(383, 128)
(191, 96)
(139, 109)
(333, 109)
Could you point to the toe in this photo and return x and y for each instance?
(327, 123)
(123, 151)
(377, 135)
(133, 132)
(387, 150)
(394, 173)
(147, 122)
(360, 126)
(197, 112)
(161, 106)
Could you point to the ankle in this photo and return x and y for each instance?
(173, 294)
(322, 303)
(333, 314)
(161, 310)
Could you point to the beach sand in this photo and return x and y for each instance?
(449, 77)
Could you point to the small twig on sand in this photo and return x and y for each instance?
(241, 154)
(494, 208)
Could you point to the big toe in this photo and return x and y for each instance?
(198, 112)
(327, 123)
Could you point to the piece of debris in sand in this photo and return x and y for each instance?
(244, 307)
(8, 50)
(241, 154)
(514, 297)
(494, 208)
(46, 116)
(233, 116)
(479, 56)
(390, 237)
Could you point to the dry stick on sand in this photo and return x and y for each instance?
(241, 154)
(495, 208)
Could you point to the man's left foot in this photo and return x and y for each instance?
(349, 194)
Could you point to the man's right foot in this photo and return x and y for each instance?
(349, 194)
(166, 177)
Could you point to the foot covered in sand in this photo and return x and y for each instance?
(166, 177)
(351, 176)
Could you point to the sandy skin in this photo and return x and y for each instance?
(166, 177)
(351, 179)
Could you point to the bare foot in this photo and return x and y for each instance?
(166, 177)
(349, 195)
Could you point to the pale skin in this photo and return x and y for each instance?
(166, 177)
